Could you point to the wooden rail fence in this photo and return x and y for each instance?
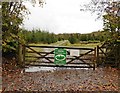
(107, 54)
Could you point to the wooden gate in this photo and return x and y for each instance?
(44, 56)
(108, 53)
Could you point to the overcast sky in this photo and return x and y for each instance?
(62, 16)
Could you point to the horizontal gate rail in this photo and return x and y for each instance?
(66, 58)
(60, 47)
(67, 66)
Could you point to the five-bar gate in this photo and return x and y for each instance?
(45, 56)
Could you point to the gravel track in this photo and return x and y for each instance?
(101, 79)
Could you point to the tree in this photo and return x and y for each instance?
(13, 14)
(83, 37)
(111, 20)
(101, 6)
(11, 20)
(108, 9)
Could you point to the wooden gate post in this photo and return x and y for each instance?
(97, 55)
(20, 55)
(24, 55)
(95, 58)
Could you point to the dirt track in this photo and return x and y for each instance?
(102, 79)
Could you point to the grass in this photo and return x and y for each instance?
(67, 43)
(38, 44)
(89, 45)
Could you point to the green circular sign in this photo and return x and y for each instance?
(60, 57)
